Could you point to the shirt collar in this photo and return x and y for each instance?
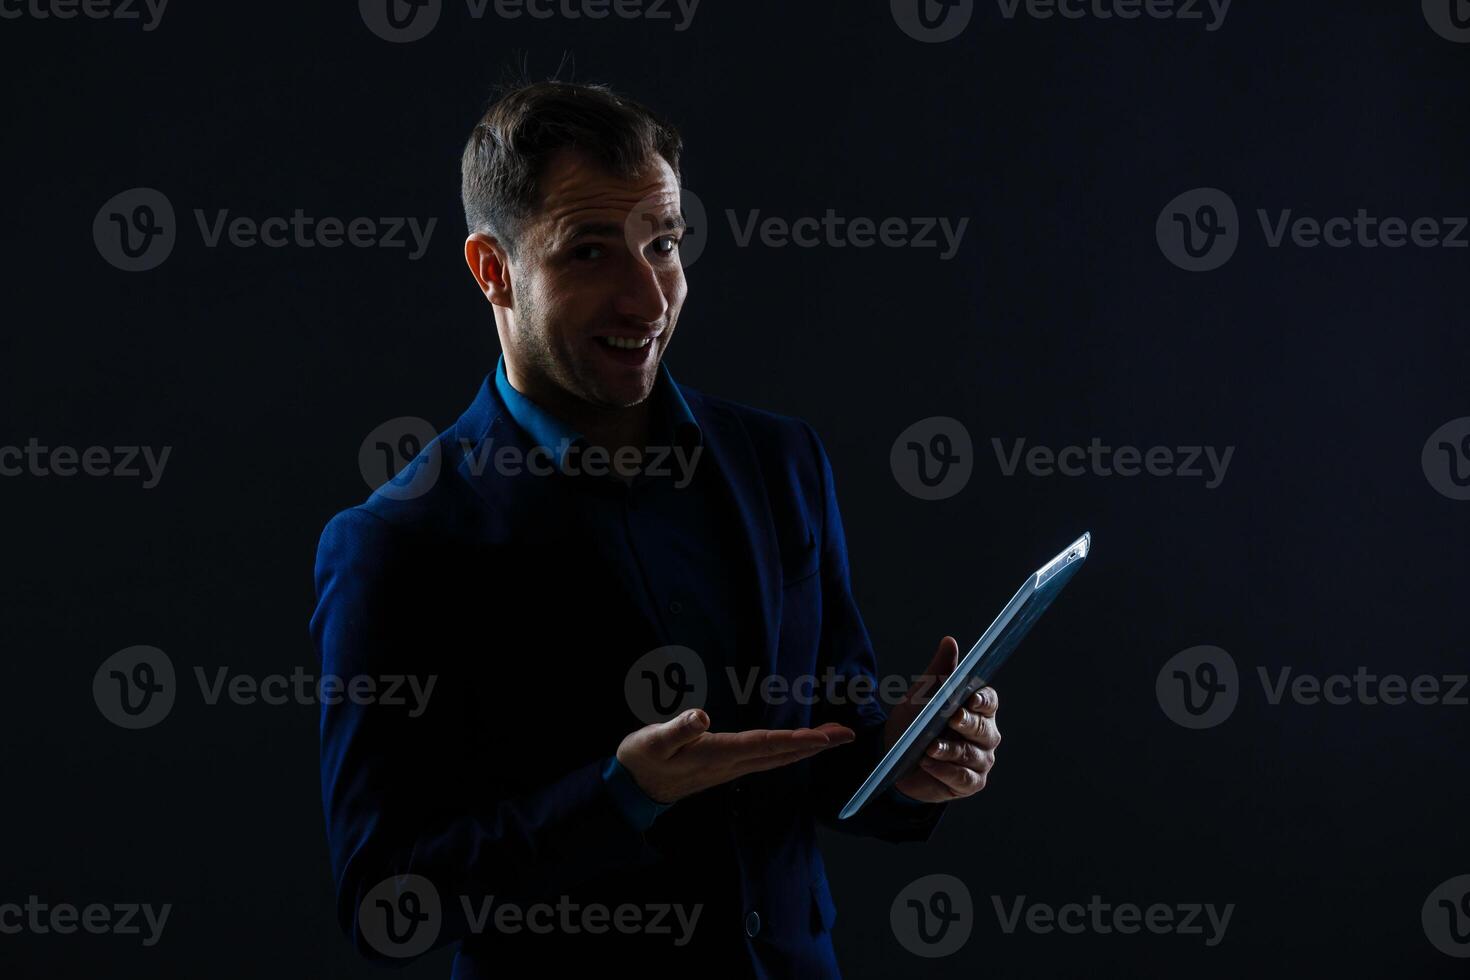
(670, 414)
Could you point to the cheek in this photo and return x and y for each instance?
(565, 310)
(676, 287)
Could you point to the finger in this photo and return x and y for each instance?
(748, 766)
(763, 742)
(984, 701)
(672, 735)
(975, 727)
(959, 780)
(836, 732)
(961, 753)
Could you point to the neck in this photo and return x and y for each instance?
(614, 428)
(610, 428)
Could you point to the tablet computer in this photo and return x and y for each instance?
(974, 671)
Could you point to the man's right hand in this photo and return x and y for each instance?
(677, 758)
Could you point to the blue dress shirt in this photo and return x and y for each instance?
(675, 545)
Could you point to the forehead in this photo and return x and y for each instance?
(575, 189)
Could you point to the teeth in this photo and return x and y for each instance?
(627, 343)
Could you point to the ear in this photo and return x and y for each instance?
(489, 263)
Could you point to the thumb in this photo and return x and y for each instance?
(946, 659)
(671, 736)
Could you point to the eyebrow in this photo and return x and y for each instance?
(594, 229)
(673, 221)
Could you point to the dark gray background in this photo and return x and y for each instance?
(1325, 548)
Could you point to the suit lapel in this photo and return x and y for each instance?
(521, 503)
(729, 445)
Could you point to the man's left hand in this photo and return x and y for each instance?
(957, 762)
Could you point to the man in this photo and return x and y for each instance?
(537, 553)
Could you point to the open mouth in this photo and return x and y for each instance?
(626, 350)
(626, 343)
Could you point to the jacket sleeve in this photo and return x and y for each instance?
(398, 797)
(846, 649)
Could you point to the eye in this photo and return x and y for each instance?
(587, 253)
(667, 245)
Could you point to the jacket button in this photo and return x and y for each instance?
(752, 923)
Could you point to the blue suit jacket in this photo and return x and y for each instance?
(496, 789)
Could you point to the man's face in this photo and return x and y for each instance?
(597, 266)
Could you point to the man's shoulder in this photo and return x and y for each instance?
(431, 499)
(425, 499)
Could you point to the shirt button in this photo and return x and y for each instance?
(752, 923)
(676, 607)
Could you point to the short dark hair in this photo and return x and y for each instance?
(507, 152)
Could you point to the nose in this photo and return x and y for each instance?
(642, 297)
